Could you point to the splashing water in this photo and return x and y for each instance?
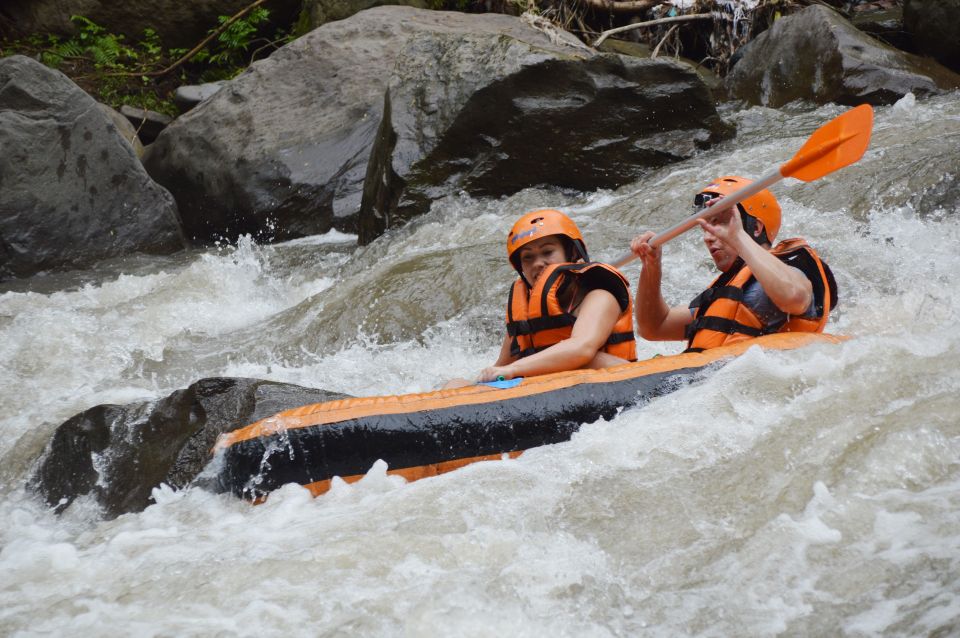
(812, 492)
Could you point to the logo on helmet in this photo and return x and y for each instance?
(520, 236)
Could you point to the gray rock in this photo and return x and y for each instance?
(118, 454)
(73, 189)
(187, 97)
(148, 124)
(935, 27)
(943, 197)
(885, 24)
(490, 118)
(126, 129)
(179, 23)
(817, 55)
(283, 150)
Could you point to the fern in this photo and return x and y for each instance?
(119, 73)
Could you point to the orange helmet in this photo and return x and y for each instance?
(762, 206)
(541, 223)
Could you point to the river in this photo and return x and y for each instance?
(803, 493)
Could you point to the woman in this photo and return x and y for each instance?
(564, 312)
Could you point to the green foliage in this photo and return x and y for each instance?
(119, 73)
(107, 50)
(234, 48)
(449, 5)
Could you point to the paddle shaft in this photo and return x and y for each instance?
(838, 143)
(724, 203)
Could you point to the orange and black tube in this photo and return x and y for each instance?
(425, 434)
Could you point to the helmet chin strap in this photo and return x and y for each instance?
(754, 227)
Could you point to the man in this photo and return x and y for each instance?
(761, 289)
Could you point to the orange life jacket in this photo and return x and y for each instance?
(536, 320)
(721, 317)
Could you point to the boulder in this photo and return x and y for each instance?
(188, 96)
(935, 28)
(118, 454)
(316, 13)
(73, 190)
(884, 23)
(179, 24)
(300, 129)
(817, 55)
(575, 122)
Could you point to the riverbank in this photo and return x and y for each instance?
(362, 123)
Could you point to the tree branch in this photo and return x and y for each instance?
(624, 6)
(197, 49)
(650, 23)
(656, 49)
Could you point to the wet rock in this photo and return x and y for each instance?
(626, 47)
(935, 27)
(127, 130)
(315, 13)
(819, 56)
(187, 97)
(884, 23)
(148, 124)
(73, 190)
(283, 150)
(118, 454)
(574, 121)
(179, 24)
(941, 198)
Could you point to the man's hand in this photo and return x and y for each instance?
(726, 225)
(640, 246)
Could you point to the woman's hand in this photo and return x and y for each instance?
(493, 373)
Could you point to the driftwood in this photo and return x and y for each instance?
(656, 49)
(625, 6)
(650, 23)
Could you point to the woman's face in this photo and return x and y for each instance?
(539, 254)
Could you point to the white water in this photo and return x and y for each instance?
(804, 493)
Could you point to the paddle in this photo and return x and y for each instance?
(838, 143)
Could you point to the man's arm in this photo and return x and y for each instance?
(788, 288)
(655, 319)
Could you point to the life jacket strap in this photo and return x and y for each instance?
(619, 337)
(710, 295)
(721, 324)
(538, 324)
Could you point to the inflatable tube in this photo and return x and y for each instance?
(420, 435)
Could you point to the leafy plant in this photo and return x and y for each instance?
(140, 74)
(233, 44)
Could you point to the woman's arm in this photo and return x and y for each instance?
(505, 356)
(597, 316)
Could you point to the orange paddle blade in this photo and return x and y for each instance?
(838, 143)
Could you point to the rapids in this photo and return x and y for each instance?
(805, 493)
